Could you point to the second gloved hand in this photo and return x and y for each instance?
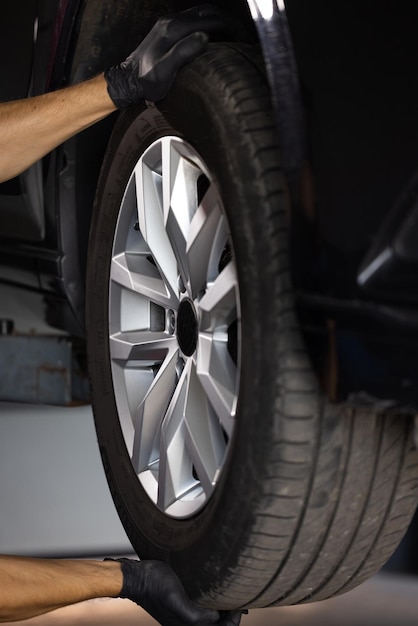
(156, 588)
(148, 73)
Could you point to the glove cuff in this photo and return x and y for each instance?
(132, 578)
(122, 86)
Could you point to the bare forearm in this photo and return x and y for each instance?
(31, 128)
(30, 587)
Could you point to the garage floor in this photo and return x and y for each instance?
(384, 601)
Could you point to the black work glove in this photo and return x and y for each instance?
(156, 588)
(148, 73)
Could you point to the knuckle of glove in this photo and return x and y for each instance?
(208, 10)
(166, 27)
(163, 21)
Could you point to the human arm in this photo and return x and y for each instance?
(31, 587)
(31, 128)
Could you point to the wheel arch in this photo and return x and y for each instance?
(104, 33)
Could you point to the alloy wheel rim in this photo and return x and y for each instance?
(174, 327)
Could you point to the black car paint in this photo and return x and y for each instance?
(356, 61)
(369, 336)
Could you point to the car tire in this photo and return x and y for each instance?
(312, 497)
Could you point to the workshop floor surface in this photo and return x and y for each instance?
(386, 600)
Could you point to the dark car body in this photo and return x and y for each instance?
(342, 85)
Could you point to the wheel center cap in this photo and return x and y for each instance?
(187, 327)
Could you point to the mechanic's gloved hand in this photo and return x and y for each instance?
(154, 586)
(148, 73)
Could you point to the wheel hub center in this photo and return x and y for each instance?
(187, 327)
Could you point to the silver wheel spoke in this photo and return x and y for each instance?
(151, 412)
(217, 374)
(141, 346)
(180, 177)
(219, 304)
(151, 223)
(192, 441)
(205, 439)
(136, 273)
(215, 367)
(175, 470)
(203, 231)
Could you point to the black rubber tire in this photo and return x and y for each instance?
(314, 498)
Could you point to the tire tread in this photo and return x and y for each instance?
(287, 583)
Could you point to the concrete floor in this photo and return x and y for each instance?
(385, 600)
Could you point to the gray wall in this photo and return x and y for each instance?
(54, 499)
